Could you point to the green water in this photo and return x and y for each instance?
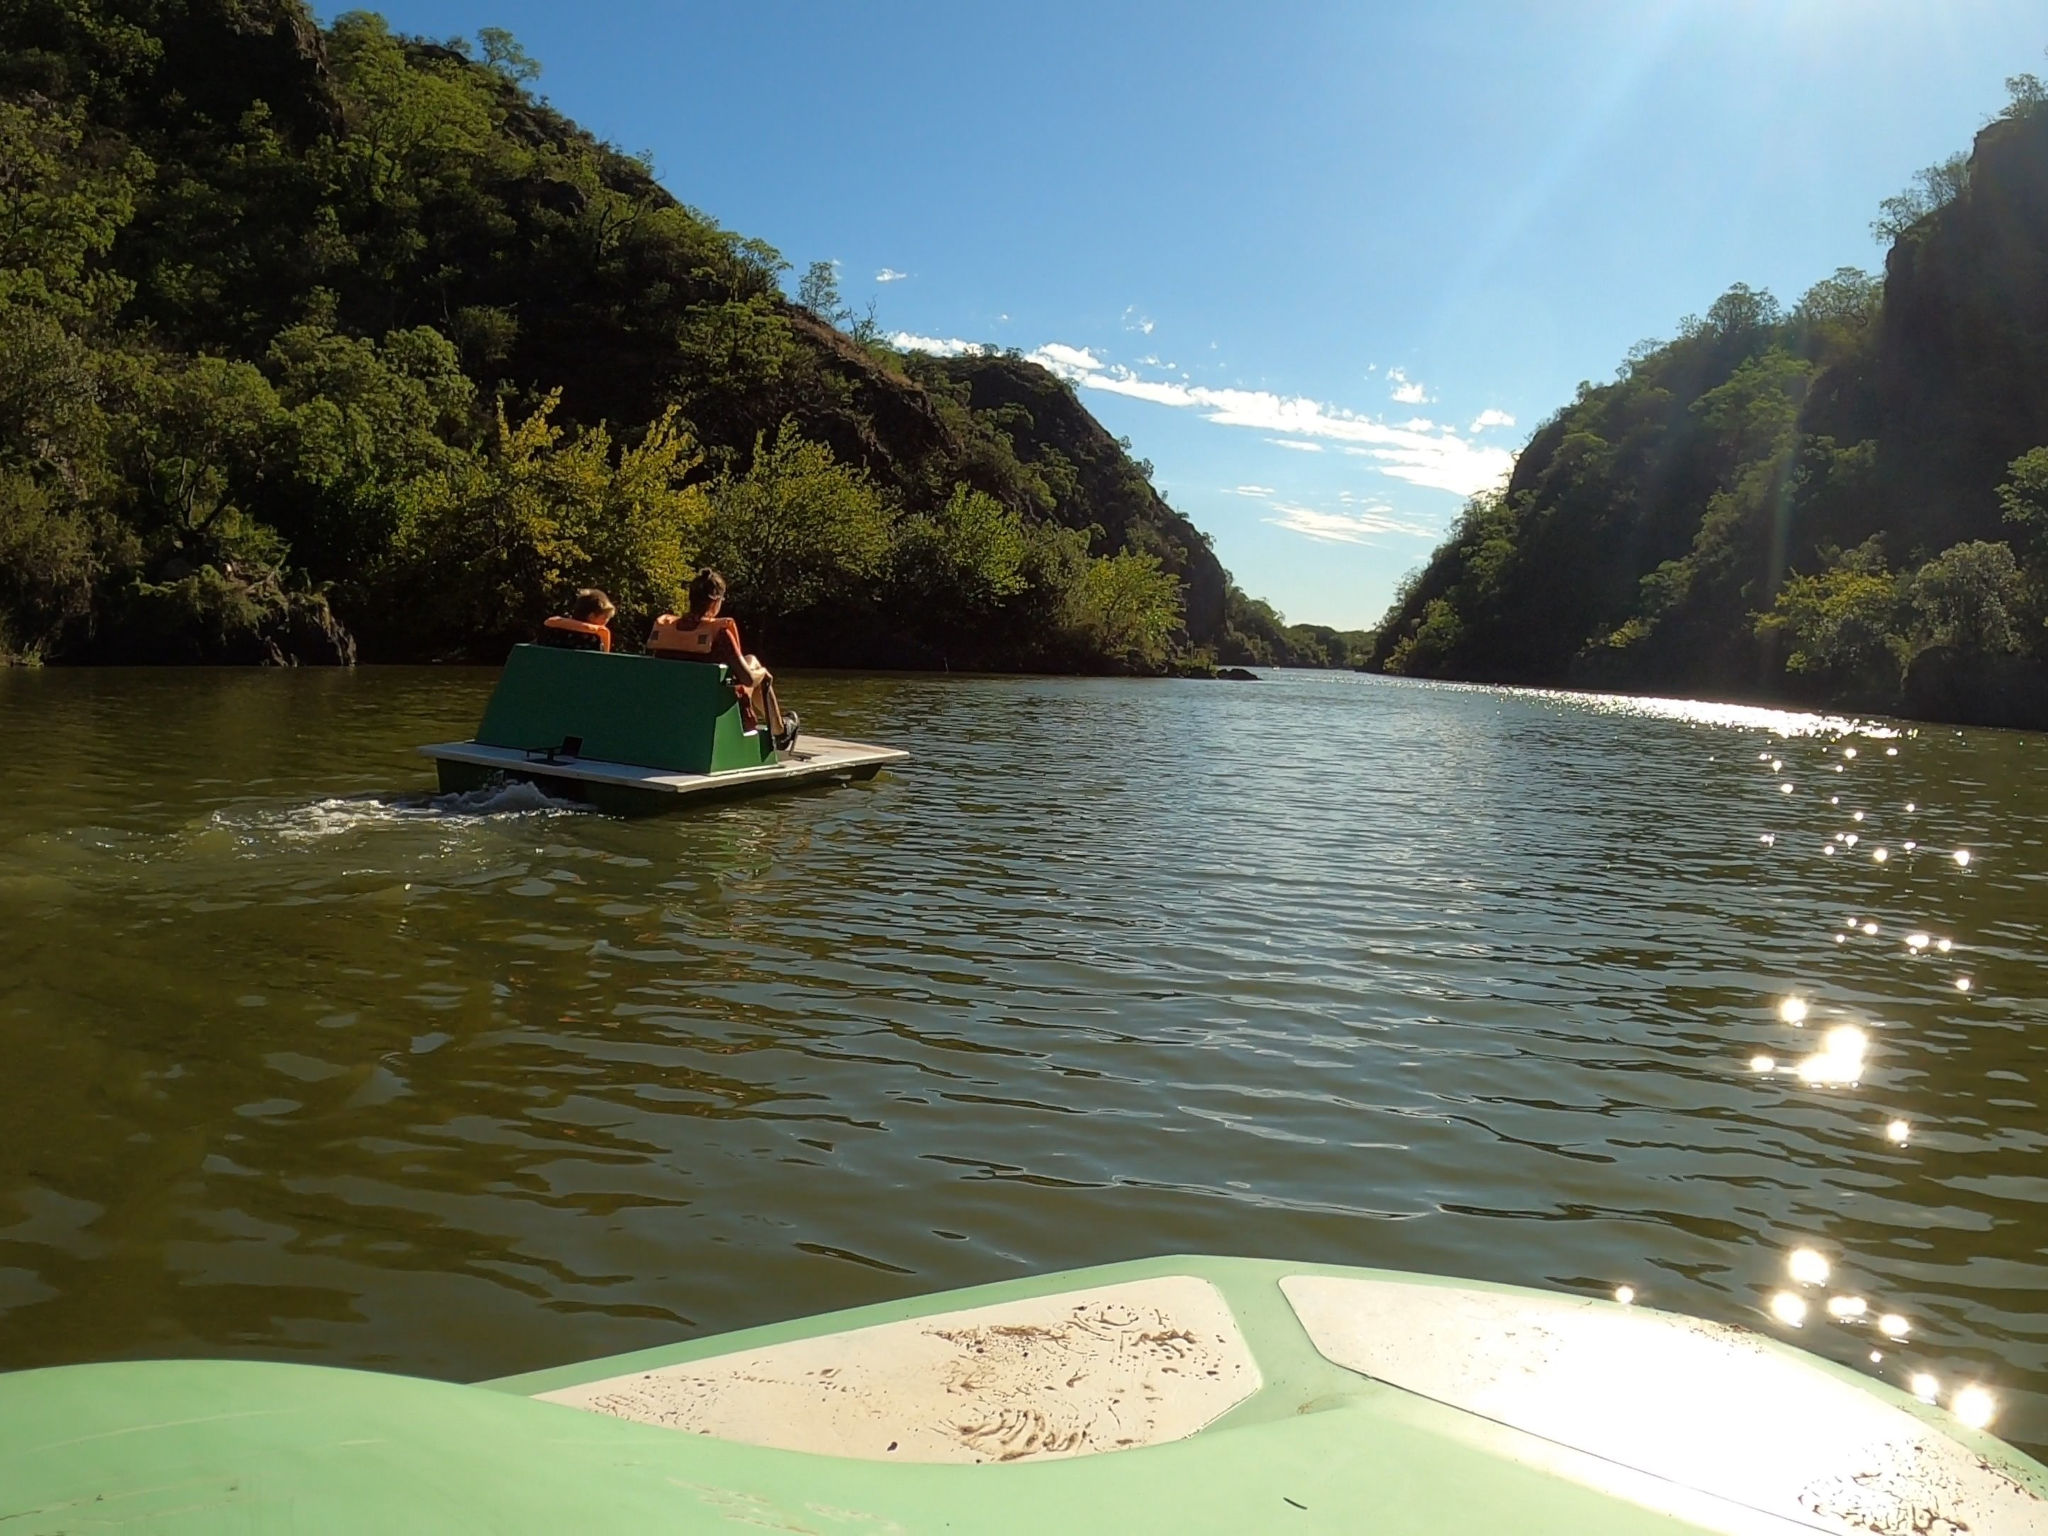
(302, 1062)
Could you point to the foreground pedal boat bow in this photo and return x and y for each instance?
(1190, 1394)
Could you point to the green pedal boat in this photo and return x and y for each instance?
(1181, 1394)
(633, 735)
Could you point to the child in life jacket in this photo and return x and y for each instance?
(586, 626)
(703, 635)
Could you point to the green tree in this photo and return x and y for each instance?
(1966, 598)
(60, 211)
(1424, 649)
(361, 421)
(503, 53)
(404, 123)
(2026, 94)
(1754, 412)
(2023, 498)
(818, 291)
(193, 440)
(1933, 189)
(968, 552)
(1128, 609)
(798, 532)
(1842, 628)
(489, 547)
(54, 556)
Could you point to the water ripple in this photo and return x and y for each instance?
(311, 1062)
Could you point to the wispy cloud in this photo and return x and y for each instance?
(938, 346)
(1406, 391)
(1491, 418)
(890, 275)
(1296, 444)
(1416, 452)
(1343, 527)
(1133, 321)
(1076, 363)
(1260, 491)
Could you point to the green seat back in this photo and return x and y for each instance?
(677, 715)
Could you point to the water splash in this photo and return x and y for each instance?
(339, 816)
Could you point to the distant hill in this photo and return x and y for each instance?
(1846, 502)
(316, 339)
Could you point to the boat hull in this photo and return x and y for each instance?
(624, 789)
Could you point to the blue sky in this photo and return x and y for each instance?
(1325, 265)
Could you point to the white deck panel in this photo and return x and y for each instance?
(1702, 1407)
(1073, 1374)
(813, 757)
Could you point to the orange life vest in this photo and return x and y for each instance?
(579, 627)
(691, 639)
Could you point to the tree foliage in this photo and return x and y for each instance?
(486, 546)
(1842, 502)
(301, 326)
(1933, 189)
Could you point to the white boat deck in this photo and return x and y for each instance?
(812, 758)
(1072, 1374)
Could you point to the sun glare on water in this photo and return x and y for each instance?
(1789, 1308)
(1809, 1266)
(1839, 1059)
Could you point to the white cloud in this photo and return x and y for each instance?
(890, 275)
(1438, 458)
(1446, 463)
(1296, 444)
(1252, 490)
(1074, 363)
(1406, 390)
(1133, 321)
(1491, 418)
(938, 346)
(1342, 527)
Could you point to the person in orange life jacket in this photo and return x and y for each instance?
(703, 634)
(587, 625)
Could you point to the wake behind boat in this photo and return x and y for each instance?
(634, 735)
(1180, 1394)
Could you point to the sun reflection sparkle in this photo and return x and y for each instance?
(1789, 1309)
(1974, 1406)
(1840, 1058)
(1809, 1266)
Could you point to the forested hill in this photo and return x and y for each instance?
(1846, 502)
(316, 337)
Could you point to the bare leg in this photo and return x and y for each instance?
(766, 705)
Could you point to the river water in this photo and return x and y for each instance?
(304, 1062)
